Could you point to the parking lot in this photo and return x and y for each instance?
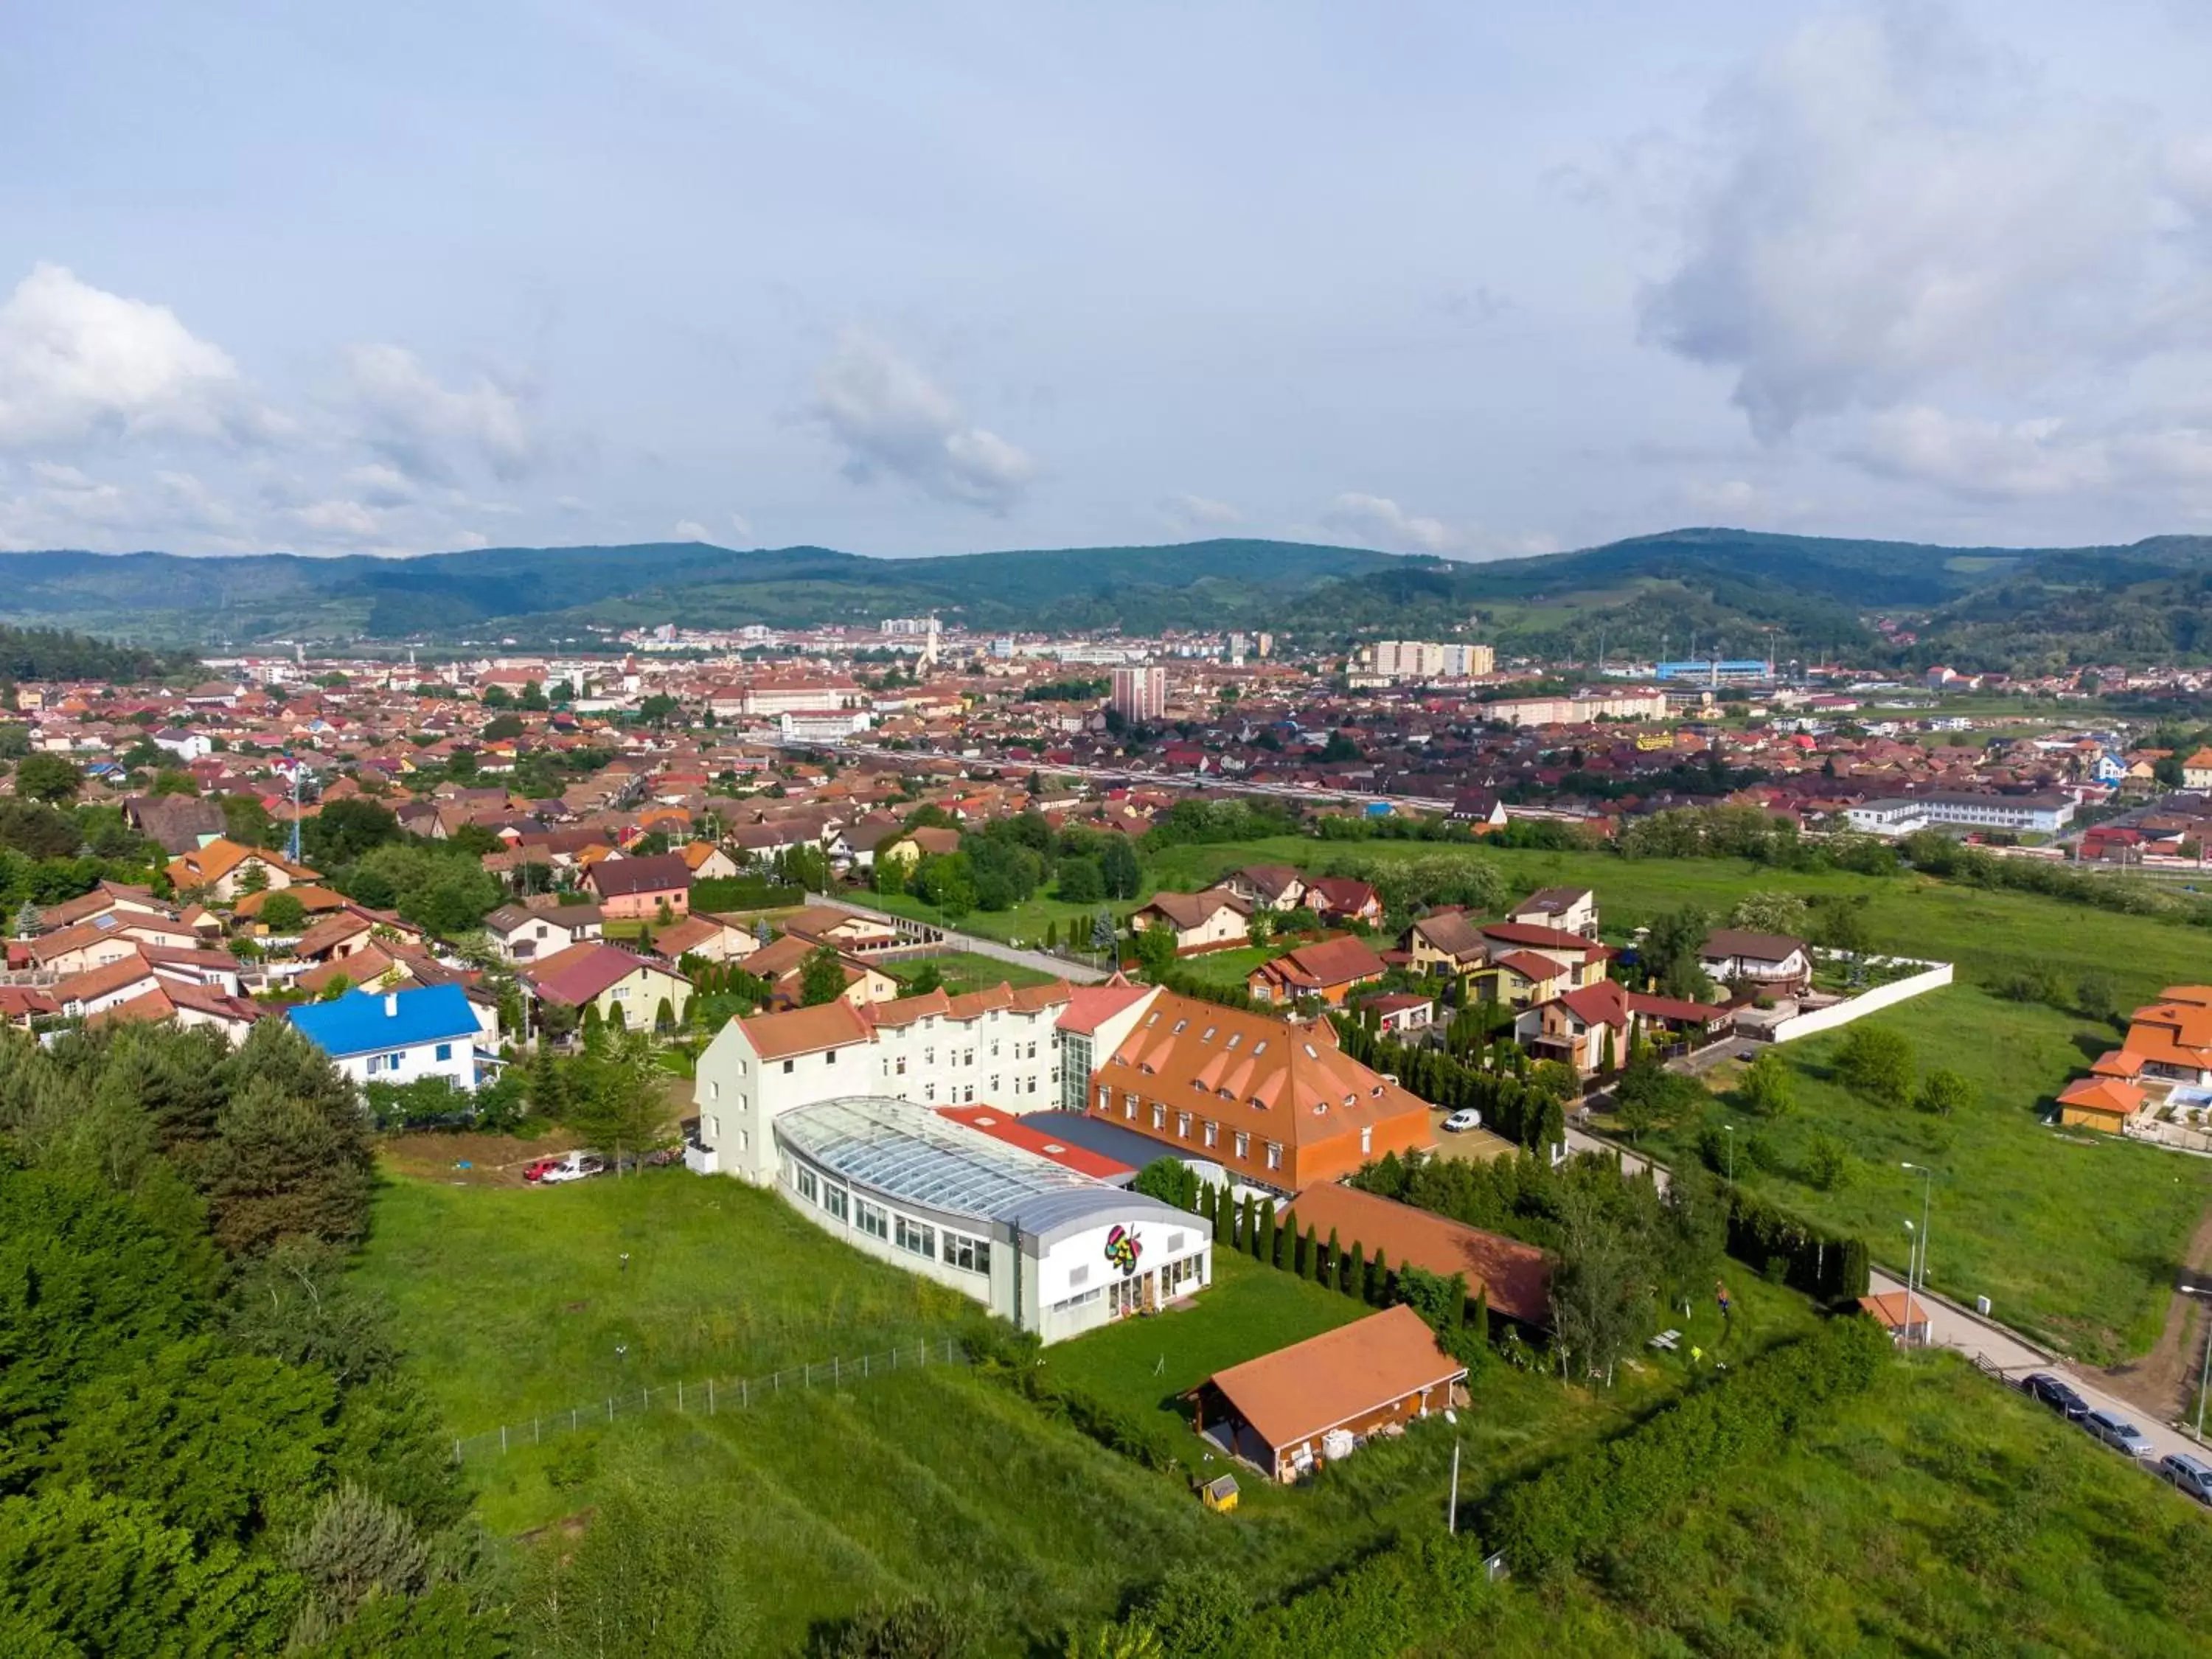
(1477, 1144)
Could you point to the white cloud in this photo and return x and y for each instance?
(741, 525)
(1187, 513)
(426, 429)
(1891, 215)
(338, 520)
(892, 420)
(2043, 457)
(380, 485)
(1730, 496)
(78, 363)
(1381, 521)
(691, 530)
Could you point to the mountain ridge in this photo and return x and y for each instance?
(1991, 606)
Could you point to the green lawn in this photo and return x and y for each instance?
(2071, 1235)
(1938, 1514)
(512, 1302)
(1024, 924)
(1228, 969)
(967, 970)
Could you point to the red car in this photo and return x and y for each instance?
(535, 1171)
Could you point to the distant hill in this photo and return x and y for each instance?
(1735, 590)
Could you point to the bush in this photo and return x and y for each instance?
(1877, 1062)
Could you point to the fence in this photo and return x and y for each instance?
(1866, 1002)
(710, 1397)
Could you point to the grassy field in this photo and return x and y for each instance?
(967, 970)
(512, 1303)
(1024, 924)
(1936, 1514)
(2071, 1235)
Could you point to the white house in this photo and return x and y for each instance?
(400, 1036)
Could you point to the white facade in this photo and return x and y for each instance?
(1009, 1058)
(452, 1058)
(1903, 814)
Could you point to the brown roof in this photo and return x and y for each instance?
(1517, 1276)
(1345, 960)
(1451, 933)
(1188, 910)
(1749, 947)
(805, 1031)
(624, 877)
(1300, 1393)
(581, 972)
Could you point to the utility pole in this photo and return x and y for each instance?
(1451, 1515)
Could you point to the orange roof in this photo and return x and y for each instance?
(1032, 1133)
(805, 1031)
(1289, 1082)
(1895, 1311)
(1517, 1276)
(1300, 1393)
(2107, 1095)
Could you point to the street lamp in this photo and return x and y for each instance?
(1927, 1187)
(2204, 1371)
(1730, 1129)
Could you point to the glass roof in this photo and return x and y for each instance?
(907, 1151)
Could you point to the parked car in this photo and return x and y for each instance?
(2192, 1474)
(538, 1168)
(2055, 1393)
(1466, 1118)
(2119, 1434)
(577, 1166)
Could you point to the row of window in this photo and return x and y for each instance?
(376, 1063)
(915, 1238)
(1209, 1130)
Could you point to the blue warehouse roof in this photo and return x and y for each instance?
(364, 1022)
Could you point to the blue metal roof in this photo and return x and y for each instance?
(366, 1022)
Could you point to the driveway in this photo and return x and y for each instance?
(1477, 1145)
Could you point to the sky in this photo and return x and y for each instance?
(1476, 280)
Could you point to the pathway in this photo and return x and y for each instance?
(1036, 961)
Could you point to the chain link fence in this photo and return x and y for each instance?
(710, 1397)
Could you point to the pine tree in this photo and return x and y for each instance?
(1605, 1055)
(1265, 1248)
(1328, 1265)
(1378, 1281)
(1352, 1272)
(1302, 1253)
(1052, 936)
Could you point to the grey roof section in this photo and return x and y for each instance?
(908, 1154)
(1096, 1135)
(1052, 1215)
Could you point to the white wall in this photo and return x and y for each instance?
(417, 1061)
(1936, 975)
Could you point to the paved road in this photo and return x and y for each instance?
(2014, 1357)
(1058, 967)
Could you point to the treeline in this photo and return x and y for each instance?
(206, 1445)
(1529, 1111)
(54, 654)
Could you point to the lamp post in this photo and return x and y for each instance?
(2204, 1371)
(1927, 1187)
(1730, 1129)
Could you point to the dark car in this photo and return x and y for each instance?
(2056, 1393)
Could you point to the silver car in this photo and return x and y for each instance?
(2119, 1434)
(2192, 1474)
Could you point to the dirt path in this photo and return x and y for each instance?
(2164, 1380)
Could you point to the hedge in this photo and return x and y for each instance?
(1574, 1510)
(1832, 1266)
(744, 893)
(1395, 1599)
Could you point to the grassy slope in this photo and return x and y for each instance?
(2076, 1241)
(512, 1302)
(1937, 1515)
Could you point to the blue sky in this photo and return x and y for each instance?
(926, 278)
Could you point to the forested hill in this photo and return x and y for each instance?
(52, 654)
(1742, 592)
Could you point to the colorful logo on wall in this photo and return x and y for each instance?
(1123, 1247)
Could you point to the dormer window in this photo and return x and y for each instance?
(1179, 1025)
(1206, 1036)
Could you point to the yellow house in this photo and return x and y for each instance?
(620, 985)
(224, 870)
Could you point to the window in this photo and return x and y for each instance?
(967, 1092)
(913, 1237)
(1159, 1115)
(1212, 1133)
(871, 1219)
(445, 1051)
(929, 1093)
(1105, 1098)
(1274, 1156)
(901, 1066)
(787, 1066)
(829, 1059)
(1182, 1126)
(1129, 1108)
(713, 1091)
(807, 1186)
(994, 1083)
(1243, 1143)
(969, 1254)
(1366, 1141)
(929, 1055)
(833, 1199)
